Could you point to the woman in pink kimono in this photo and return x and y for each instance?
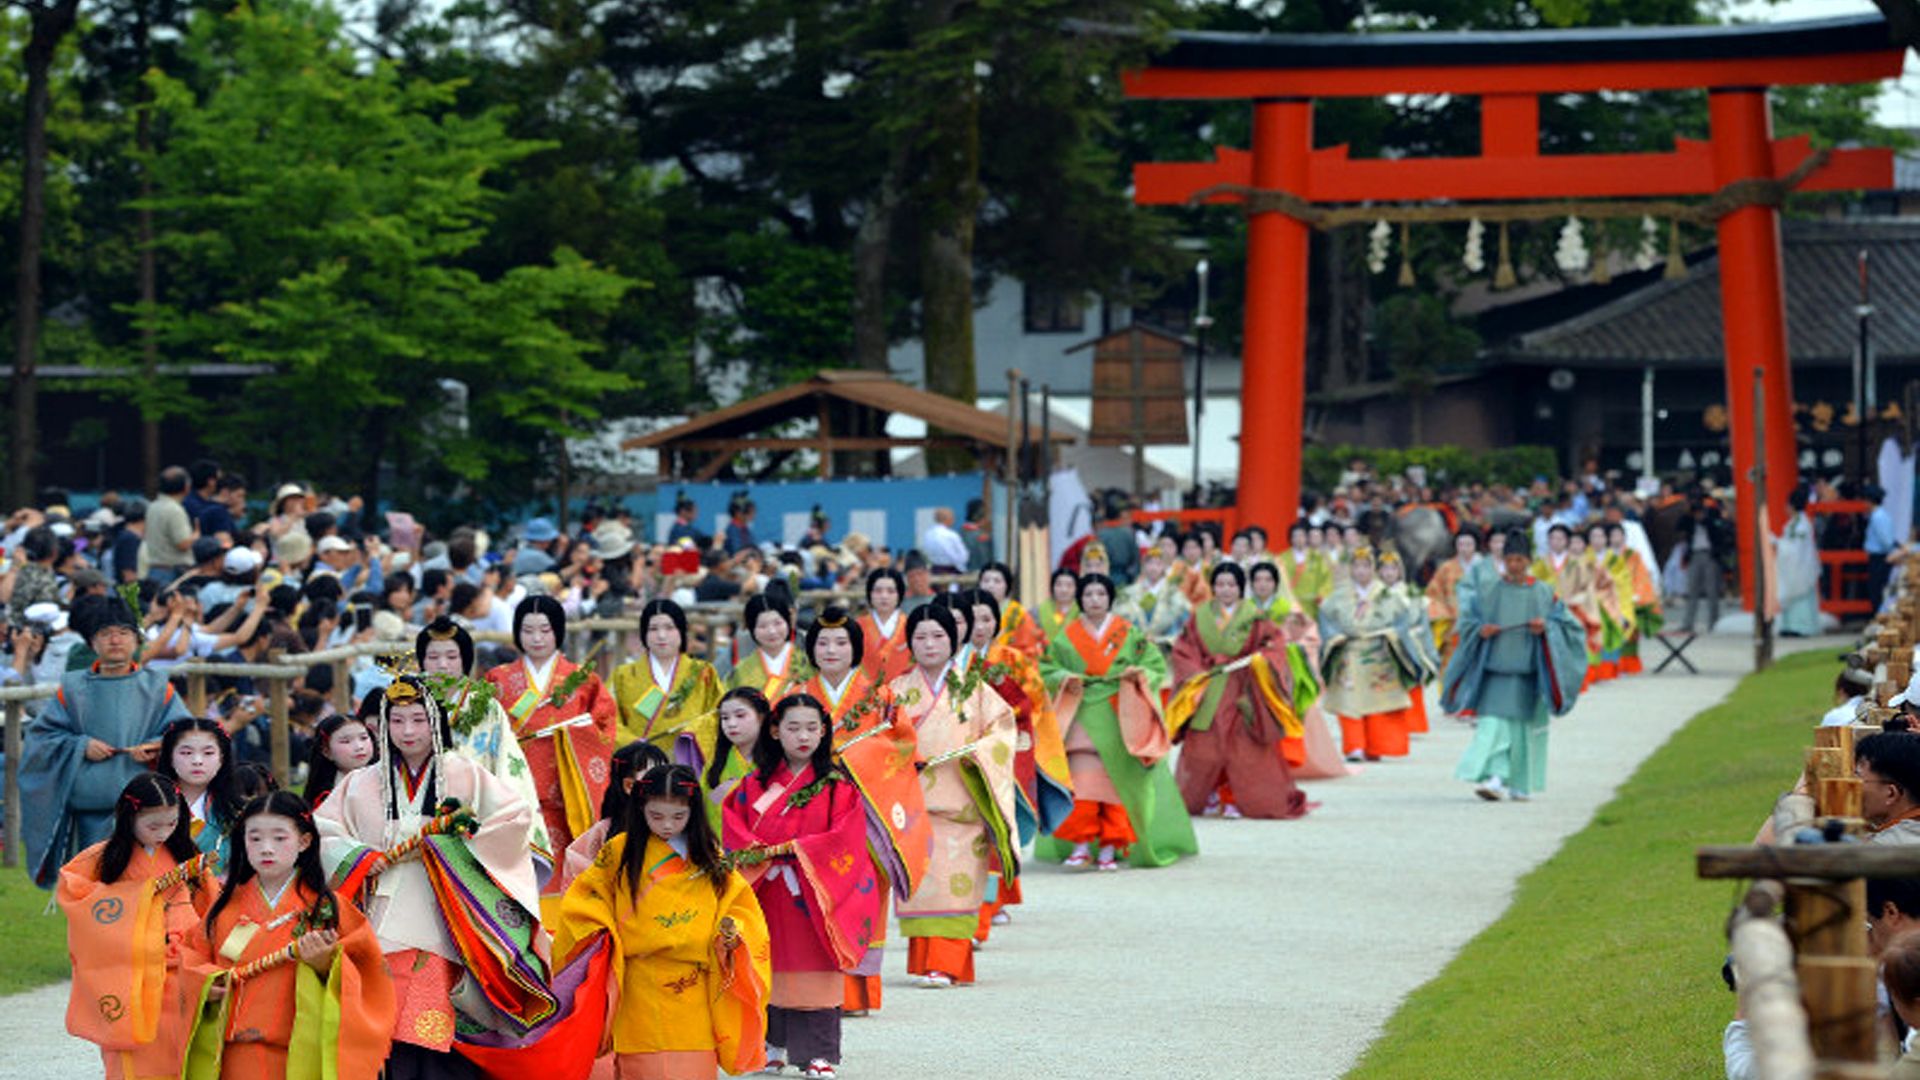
(966, 736)
(798, 827)
(403, 797)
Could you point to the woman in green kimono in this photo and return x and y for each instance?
(1058, 608)
(667, 697)
(773, 666)
(1106, 679)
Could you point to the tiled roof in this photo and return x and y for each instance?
(1677, 323)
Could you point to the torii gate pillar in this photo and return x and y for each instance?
(1274, 372)
(1753, 310)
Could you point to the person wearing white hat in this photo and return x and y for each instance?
(41, 645)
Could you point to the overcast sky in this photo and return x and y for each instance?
(1899, 102)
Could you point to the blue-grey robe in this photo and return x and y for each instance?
(67, 801)
(1515, 675)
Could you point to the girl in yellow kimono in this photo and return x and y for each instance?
(691, 953)
(772, 666)
(629, 764)
(667, 697)
(742, 713)
(965, 735)
(1306, 568)
(124, 932)
(1058, 609)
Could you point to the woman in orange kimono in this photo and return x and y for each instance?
(126, 919)
(285, 967)
(965, 739)
(872, 750)
(883, 628)
(1043, 791)
(1017, 626)
(565, 719)
(1443, 591)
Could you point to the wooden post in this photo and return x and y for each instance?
(1839, 738)
(1010, 526)
(280, 740)
(196, 692)
(1137, 355)
(15, 712)
(343, 686)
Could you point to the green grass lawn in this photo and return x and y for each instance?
(1608, 962)
(33, 946)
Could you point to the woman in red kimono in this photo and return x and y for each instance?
(870, 748)
(883, 628)
(799, 830)
(565, 719)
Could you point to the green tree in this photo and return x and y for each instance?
(319, 215)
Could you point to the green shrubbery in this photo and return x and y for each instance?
(1321, 466)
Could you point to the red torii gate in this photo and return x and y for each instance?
(1281, 74)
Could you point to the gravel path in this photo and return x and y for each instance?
(1281, 951)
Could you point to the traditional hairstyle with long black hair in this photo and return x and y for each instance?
(1102, 580)
(1232, 570)
(835, 617)
(445, 629)
(306, 866)
(968, 599)
(1006, 575)
(930, 612)
(962, 615)
(630, 762)
(767, 751)
(1264, 567)
(404, 691)
(755, 700)
(148, 791)
(1055, 580)
(323, 774)
(222, 806)
(679, 784)
(252, 780)
(541, 604)
(760, 605)
(886, 573)
(671, 610)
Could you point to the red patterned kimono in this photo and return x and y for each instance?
(821, 893)
(567, 746)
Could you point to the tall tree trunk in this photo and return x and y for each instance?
(50, 24)
(872, 248)
(950, 205)
(149, 269)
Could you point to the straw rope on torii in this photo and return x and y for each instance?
(1758, 191)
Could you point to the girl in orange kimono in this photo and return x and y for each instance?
(858, 704)
(687, 938)
(885, 657)
(1017, 627)
(564, 718)
(800, 827)
(1443, 591)
(284, 965)
(124, 932)
(965, 741)
(1044, 792)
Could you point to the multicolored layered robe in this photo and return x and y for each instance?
(884, 657)
(679, 991)
(1109, 688)
(466, 906)
(1308, 577)
(289, 1020)
(680, 717)
(966, 749)
(1236, 676)
(1045, 783)
(491, 744)
(821, 893)
(1443, 603)
(756, 671)
(1019, 631)
(567, 744)
(877, 755)
(1370, 658)
(125, 940)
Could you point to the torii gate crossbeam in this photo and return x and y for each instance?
(1508, 70)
